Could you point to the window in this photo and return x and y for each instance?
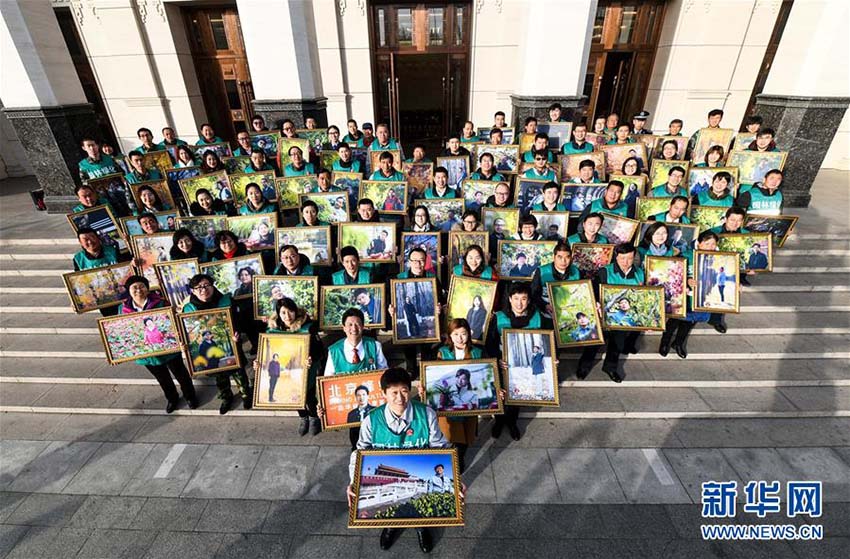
(459, 26)
(651, 19)
(382, 28)
(436, 26)
(627, 24)
(405, 26)
(219, 34)
(598, 24)
(233, 99)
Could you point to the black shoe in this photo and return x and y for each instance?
(613, 373)
(248, 401)
(303, 426)
(582, 371)
(193, 402)
(315, 426)
(681, 350)
(664, 347)
(388, 537)
(225, 406)
(171, 406)
(496, 431)
(425, 543)
(514, 431)
(720, 327)
(745, 281)
(632, 349)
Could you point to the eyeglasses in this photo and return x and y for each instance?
(540, 159)
(470, 221)
(202, 286)
(417, 260)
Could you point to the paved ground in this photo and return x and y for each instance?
(90, 466)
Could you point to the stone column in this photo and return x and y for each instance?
(806, 94)
(552, 62)
(43, 98)
(284, 66)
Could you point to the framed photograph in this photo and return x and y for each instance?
(256, 231)
(508, 133)
(429, 242)
(742, 141)
(336, 299)
(375, 242)
(290, 189)
(458, 167)
(754, 249)
(218, 184)
(699, 179)
(127, 337)
(599, 140)
(327, 158)
(349, 182)
(347, 398)
(570, 164)
(646, 139)
(575, 318)
(375, 158)
(532, 378)
(416, 317)
(616, 155)
(589, 257)
(576, 197)
(503, 221)
(389, 197)
(634, 188)
(660, 170)
(151, 249)
(708, 217)
(235, 276)
(362, 155)
(313, 242)
(526, 142)
(221, 149)
(462, 388)
(101, 220)
(476, 192)
(265, 180)
(780, 225)
(333, 206)
(631, 307)
(472, 299)
(708, 138)
(236, 165)
(98, 288)
(648, 207)
(418, 175)
(204, 228)
(559, 133)
(716, 274)
(459, 241)
(208, 336)
(268, 290)
(671, 273)
(316, 136)
(680, 236)
(159, 160)
(174, 176)
(406, 489)
(618, 229)
(518, 260)
(528, 192)
(173, 278)
(280, 381)
(114, 189)
(444, 212)
(754, 165)
(552, 225)
(267, 142)
(286, 144)
(167, 221)
(681, 146)
(160, 187)
(506, 157)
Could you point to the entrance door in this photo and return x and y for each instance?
(421, 69)
(215, 38)
(615, 81)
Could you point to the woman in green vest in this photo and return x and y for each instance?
(713, 157)
(475, 265)
(206, 296)
(351, 272)
(162, 366)
(654, 243)
(310, 215)
(718, 194)
(185, 245)
(288, 318)
(255, 202)
(205, 204)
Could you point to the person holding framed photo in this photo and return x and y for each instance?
(205, 296)
(310, 215)
(654, 242)
(527, 229)
(385, 171)
(713, 157)
(346, 163)
(764, 198)
(94, 254)
(586, 173)
(486, 170)
(351, 272)
(676, 213)
(255, 201)
(207, 136)
(382, 140)
(440, 188)
(765, 141)
(89, 199)
(540, 145)
(163, 366)
(324, 184)
(588, 232)
(578, 143)
(187, 246)
(298, 166)
(292, 263)
(560, 269)
(551, 197)
(475, 265)
(718, 194)
(259, 163)
(138, 173)
(468, 134)
(454, 148)
(621, 135)
(501, 197)
(96, 164)
(673, 186)
(610, 202)
(205, 204)
(541, 170)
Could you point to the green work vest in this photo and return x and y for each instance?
(576, 238)
(570, 149)
(479, 177)
(396, 176)
(760, 202)
(447, 354)
(95, 169)
(548, 176)
(486, 274)
(644, 252)
(503, 321)
(706, 199)
(616, 279)
(547, 274)
(354, 168)
(266, 208)
(290, 171)
(431, 193)
(417, 434)
(620, 209)
(660, 191)
(559, 207)
(100, 202)
(663, 217)
(83, 261)
(363, 276)
(203, 142)
(376, 145)
(224, 302)
(368, 360)
(150, 175)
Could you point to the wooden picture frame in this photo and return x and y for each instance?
(200, 227)
(546, 220)
(151, 249)
(460, 303)
(681, 146)
(506, 157)
(399, 287)
(285, 145)
(570, 165)
(336, 299)
(754, 165)
(681, 242)
(329, 208)
(653, 320)
(670, 272)
(267, 141)
(130, 224)
(440, 209)
(527, 191)
(375, 158)
(518, 362)
(337, 395)
(115, 329)
(780, 225)
(114, 189)
(380, 193)
(418, 175)
(221, 149)
(616, 155)
(484, 374)
(309, 242)
(306, 297)
(460, 240)
(225, 274)
(648, 207)
(105, 285)
(700, 178)
(707, 138)
(192, 327)
(291, 349)
(509, 215)
(458, 168)
(590, 257)
(618, 229)
(217, 183)
(101, 220)
(568, 300)
(290, 189)
(559, 133)
(434, 246)
(379, 239)
(707, 217)
(173, 279)
(706, 267)
(509, 250)
(743, 243)
(264, 179)
(249, 230)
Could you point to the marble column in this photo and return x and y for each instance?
(43, 98)
(284, 66)
(806, 95)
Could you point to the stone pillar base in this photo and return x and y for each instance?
(525, 106)
(51, 137)
(805, 127)
(275, 111)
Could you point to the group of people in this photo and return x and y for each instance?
(404, 422)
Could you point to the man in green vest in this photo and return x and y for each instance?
(96, 164)
(139, 173)
(551, 197)
(764, 198)
(95, 254)
(146, 136)
(621, 271)
(299, 167)
(609, 203)
(588, 231)
(208, 136)
(89, 199)
(677, 213)
(401, 423)
(346, 163)
(560, 269)
(673, 186)
(541, 169)
(382, 139)
(170, 139)
(351, 273)
(586, 173)
(718, 194)
(385, 170)
(579, 143)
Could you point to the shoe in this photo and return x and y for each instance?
(682, 351)
(193, 402)
(632, 350)
(315, 426)
(582, 371)
(248, 402)
(388, 537)
(720, 327)
(496, 431)
(745, 281)
(170, 407)
(514, 431)
(613, 373)
(425, 543)
(225, 406)
(664, 347)
(303, 426)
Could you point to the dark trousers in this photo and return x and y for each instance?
(222, 382)
(272, 384)
(353, 436)
(716, 318)
(617, 341)
(162, 374)
(508, 418)
(312, 405)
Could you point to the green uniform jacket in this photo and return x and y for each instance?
(290, 171)
(90, 169)
(417, 434)
(353, 168)
(396, 176)
(570, 148)
(363, 277)
(83, 261)
(151, 175)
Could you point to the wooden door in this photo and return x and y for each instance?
(215, 38)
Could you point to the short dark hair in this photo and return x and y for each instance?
(766, 131)
(616, 183)
(586, 163)
(562, 246)
(365, 202)
(708, 234)
(333, 127)
(624, 248)
(386, 156)
(136, 279)
(143, 129)
(519, 287)
(527, 219)
(753, 119)
(725, 175)
(361, 387)
(715, 112)
(679, 198)
(774, 172)
(446, 171)
(541, 136)
(499, 113)
(594, 214)
(676, 121)
(530, 119)
(356, 313)
(395, 376)
(84, 231)
(134, 153)
(348, 251)
(554, 106)
(736, 210)
(551, 184)
(198, 278)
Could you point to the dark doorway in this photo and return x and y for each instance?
(615, 80)
(421, 102)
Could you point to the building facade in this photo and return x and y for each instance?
(107, 67)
